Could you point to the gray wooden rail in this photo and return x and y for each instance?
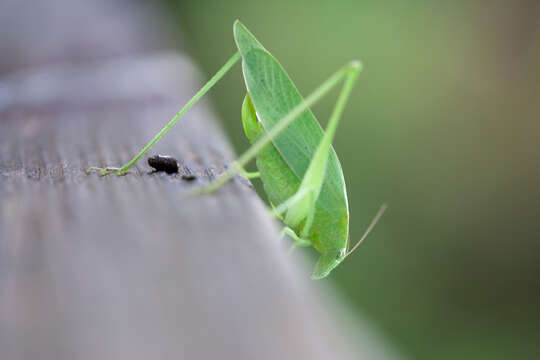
(133, 267)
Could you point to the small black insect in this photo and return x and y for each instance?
(164, 163)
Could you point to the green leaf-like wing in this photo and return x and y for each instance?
(274, 95)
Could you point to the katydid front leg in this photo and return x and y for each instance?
(250, 175)
(298, 242)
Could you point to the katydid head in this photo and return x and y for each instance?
(328, 262)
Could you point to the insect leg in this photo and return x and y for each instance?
(221, 72)
(298, 242)
(348, 71)
(250, 175)
(314, 176)
(281, 208)
(104, 171)
(315, 173)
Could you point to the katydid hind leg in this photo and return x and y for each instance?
(299, 196)
(348, 72)
(315, 174)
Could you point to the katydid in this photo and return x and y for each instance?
(299, 169)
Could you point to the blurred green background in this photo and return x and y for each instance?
(443, 126)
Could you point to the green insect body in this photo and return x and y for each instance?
(299, 169)
(283, 163)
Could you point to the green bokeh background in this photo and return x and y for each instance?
(443, 125)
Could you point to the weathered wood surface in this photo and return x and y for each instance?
(134, 267)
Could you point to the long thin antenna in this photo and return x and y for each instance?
(370, 227)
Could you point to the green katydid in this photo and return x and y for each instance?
(299, 169)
